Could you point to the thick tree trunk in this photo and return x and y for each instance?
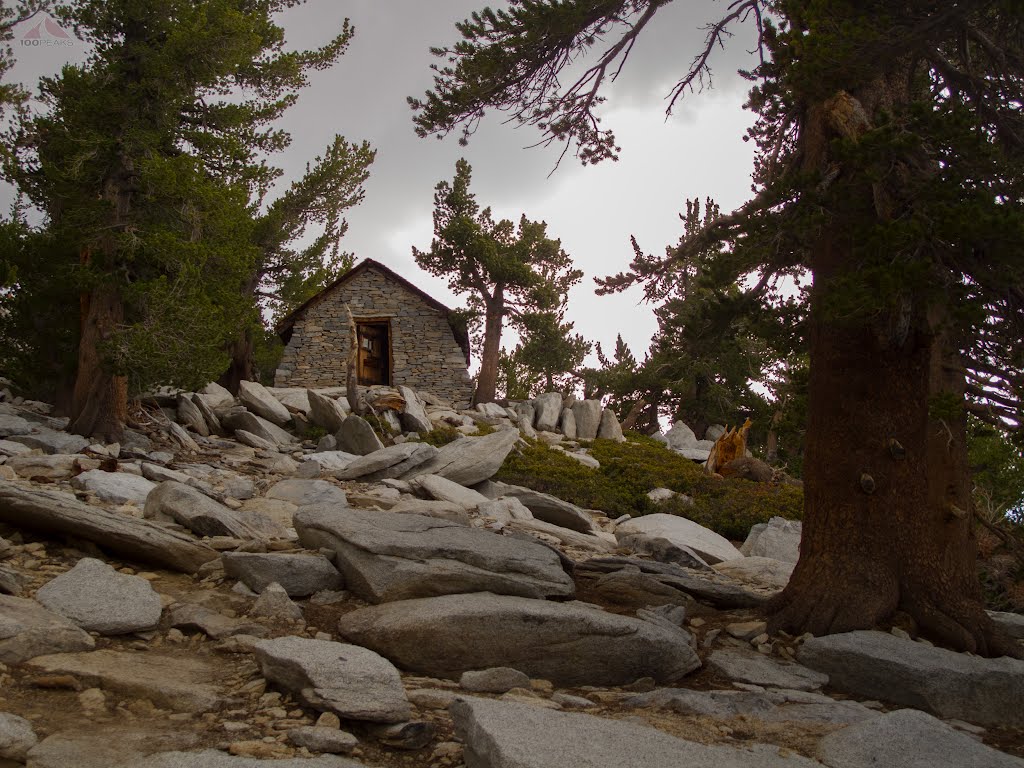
(487, 380)
(887, 526)
(243, 362)
(100, 400)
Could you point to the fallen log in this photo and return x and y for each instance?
(137, 540)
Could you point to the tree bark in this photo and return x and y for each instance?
(100, 399)
(887, 497)
(243, 362)
(487, 380)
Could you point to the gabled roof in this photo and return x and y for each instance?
(461, 333)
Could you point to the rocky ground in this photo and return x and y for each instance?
(219, 590)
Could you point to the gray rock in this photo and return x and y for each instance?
(567, 643)
(326, 462)
(357, 436)
(13, 425)
(11, 448)
(299, 575)
(211, 758)
(11, 581)
(325, 411)
(255, 441)
(257, 399)
(694, 454)
(274, 603)
(442, 489)
(491, 411)
(190, 617)
(567, 424)
(751, 667)
(588, 418)
(181, 436)
(191, 417)
(547, 407)
(712, 547)
(714, 432)
(50, 441)
(774, 706)
(501, 734)
(778, 539)
(504, 510)
(948, 684)
(1011, 623)
(388, 556)
(390, 462)
(662, 549)
(352, 682)
(157, 474)
(414, 417)
(114, 487)
(303, 493)
(56, 467)
(28, 630)
(565, 535)
(179, 683)
(99, 599)
(16, 737)
(680, 437)
(443, 510)
(209, 415)
(493, 680)
(102, 745)
(328, 443)
(263, 429)
(469, 460)
(216, 395)
(204, 516)
(909, 739)
(760, 571)
(333, 741)
(544, 506)
(610, 429)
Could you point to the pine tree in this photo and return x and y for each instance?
(889, 167)
(145, 164)
(507, 270)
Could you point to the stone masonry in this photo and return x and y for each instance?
(424, 352)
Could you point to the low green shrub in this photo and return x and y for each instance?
(630, 470)
(439, 436)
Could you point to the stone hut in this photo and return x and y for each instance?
(405, 337)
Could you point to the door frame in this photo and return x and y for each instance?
(386, 322)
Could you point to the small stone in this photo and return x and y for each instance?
(328, 720)
(329, 740)
(16, 737)
(493, 680)
(746, 630)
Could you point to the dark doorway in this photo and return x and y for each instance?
(374, 353)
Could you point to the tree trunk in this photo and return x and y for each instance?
(100, 399)
(243, 362)
(887, 497)
(487, 380)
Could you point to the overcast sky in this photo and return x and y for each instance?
(696, 153)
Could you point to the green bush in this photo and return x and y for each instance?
(439, 436)
(630, 470)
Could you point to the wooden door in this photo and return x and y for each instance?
(374, 354)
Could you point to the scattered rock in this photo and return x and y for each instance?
(191, 417)
(778, 539)
(493, 680)
(13, 425)
(99, 599)
(257, 399)
(567, 424)
(330, 740)
(414, 417)
(662, 549)
(1011, 623)
(908, 739)
(211, 758)
(588, 418)
(758, 570)
(204, 516)
(547, 407)
(442, 489)
(114, 487)
(27, 630)
(16, 737)
(544, 506)
(325, 411)
(265, 430)
(945, 683)
(357, 436)
(299, 575)
(711, 547)
(209, 415)
(393, 461)
(397, 556)
(680, 437)
(749, 667)
(56, 467)
(303, 493)
(469, 460)
(566, 643)
(274, 603)
(352, 682)
(191, 617)
(50, 441)
(504, 510)
(610, 429)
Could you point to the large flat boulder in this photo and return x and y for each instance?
(352, 682)
(504, 734)
(442, 489)
(205, 517)
(99, 599)
(27, 630)
(387, 556)
(257, 399)
(302, 492)
(470, 460)
(52, 441)
(567, 643)
(948, 684)
(267, 431)
(712, 547)
(179, 683)
(544, 506)
(909, 739)
(759, 571)
(391, 462)
(757, 669)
